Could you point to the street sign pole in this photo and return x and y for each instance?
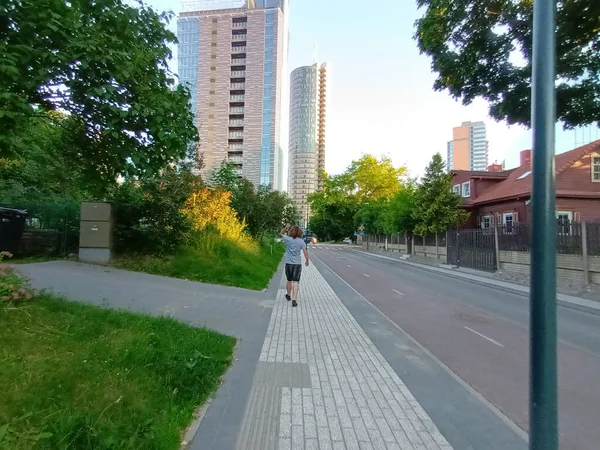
(543, 407)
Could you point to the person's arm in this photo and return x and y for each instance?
(306, 255)
(284, 231)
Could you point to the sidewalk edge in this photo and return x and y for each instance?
(563, 298)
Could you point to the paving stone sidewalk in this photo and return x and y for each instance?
(322, 384)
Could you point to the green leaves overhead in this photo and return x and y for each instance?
(483, 49)
(105, 63)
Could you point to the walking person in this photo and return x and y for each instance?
(294, 245)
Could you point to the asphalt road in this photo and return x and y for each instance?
(482, 334)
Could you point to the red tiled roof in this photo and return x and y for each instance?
(514, 187)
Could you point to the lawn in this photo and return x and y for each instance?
(75, 376)
(220, 263)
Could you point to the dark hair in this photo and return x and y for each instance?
(295, 232)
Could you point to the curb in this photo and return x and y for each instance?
(562, 298)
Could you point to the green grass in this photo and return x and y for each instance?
(215, 262)
(74, 376)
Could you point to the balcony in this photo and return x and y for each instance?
(235, 148)
(238, 73)
(235, 159)
(239, 37)
(236, 110)
(237, 98)
(236, 134)
(234, 86)
(238, 61)
(240, 49)
(239, 25)
(236, 122)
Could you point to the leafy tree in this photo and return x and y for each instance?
(372, 179)
(436, 207)
(475, 47)
(148, 213)
(225, 177)
(398, 218)
(263, 210)
(104, 63)
(372, 216)
(43, 170)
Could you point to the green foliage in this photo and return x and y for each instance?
(398, 217)
(46, 167)
(148, 212)
(263, 210)
(357, 196)
(436, 207)
(372, 179)
(473, 45)
(77, 376)
(13, 290)
(214, 259)
(105, 64)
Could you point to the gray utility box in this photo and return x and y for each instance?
(96, 232)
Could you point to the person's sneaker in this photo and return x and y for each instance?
(294, 303)
(288, 297)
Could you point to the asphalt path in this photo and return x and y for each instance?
(482, 334)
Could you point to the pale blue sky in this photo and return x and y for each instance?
(382, 96)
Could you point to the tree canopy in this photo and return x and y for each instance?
(436, 208)
(484, 49)
(357, 196)
(104, 63)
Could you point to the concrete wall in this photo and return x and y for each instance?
(569, 268)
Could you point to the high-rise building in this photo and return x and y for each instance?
(468, 149)
(232, 56)
(308, 115)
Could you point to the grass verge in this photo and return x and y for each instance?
(216, 262)
(75, 376)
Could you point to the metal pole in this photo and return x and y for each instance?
(543, 407)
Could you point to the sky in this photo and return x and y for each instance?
(382, 97)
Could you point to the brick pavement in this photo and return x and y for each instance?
(352, 399)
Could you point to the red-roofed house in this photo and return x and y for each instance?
(504, 197)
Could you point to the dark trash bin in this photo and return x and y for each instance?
(12, 224)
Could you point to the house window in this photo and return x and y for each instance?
(596, 169)
(456, 189)
(564, 221)
(508, 220)
(466, 189)
(486, 222)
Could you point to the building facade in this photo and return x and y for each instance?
(504, 198)
(468, 149)
(232, 56)
(307, 140)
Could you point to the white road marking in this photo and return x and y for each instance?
(349, 265)
(366, 275)
(485, 337)
(397, 292)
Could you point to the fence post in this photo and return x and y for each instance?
(437, 248)
(497, 245)
(424, 248)
(584, 251)
(386, 243)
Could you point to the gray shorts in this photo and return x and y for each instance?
(293, 272)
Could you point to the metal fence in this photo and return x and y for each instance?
(569, 238)
(50, 230)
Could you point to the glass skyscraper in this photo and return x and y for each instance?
(232, 56)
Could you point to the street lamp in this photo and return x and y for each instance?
(543, 406)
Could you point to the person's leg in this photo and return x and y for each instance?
(288, 275)
(296, 284)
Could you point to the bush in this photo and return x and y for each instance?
(148, 212)
(13, 288)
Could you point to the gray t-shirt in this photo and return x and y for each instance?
(293, 249)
